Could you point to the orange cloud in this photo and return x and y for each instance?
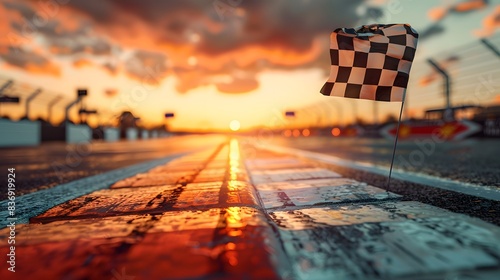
(490, 23)
(45, 69)
(191, 39)
(470, 5)
(439, 13)
(257, 36)
(10, 37)
(30, 61)
(428, 79)
(82, 62)
(497, 99)
(238, 86)
(110, 68)
(111, 92)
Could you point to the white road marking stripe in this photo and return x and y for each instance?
(442, 183)
(32, 204)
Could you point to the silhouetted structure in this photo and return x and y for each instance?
(126, 120)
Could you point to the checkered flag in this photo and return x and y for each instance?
(371, 62)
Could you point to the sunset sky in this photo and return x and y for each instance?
(210, 62)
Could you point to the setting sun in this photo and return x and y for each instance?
(234, 125)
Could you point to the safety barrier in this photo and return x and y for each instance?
(20, 133)
(132, 134)
(78, 133)
(111, 134)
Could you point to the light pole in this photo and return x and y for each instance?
(80, 93)
(168, 116)
(5, 86)
(7, 99)
(491, 47)
(86, 112)
(448, 114)
(28, 101)
(51, 105)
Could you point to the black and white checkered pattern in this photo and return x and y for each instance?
(371, 62)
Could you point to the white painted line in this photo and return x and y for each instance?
(32, 204)
(487, 192)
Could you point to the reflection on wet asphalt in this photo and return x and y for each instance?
(386, 241)
(195, 217)
(338, 228)
(236, 212)
(52, 164)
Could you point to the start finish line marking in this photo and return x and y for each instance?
(33, 204)
(422, 179)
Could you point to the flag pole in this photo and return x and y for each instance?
(396, 141)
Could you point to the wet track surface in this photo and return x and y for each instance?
(334, 227)
(52, 164)
(475, 161)
(236, 211)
